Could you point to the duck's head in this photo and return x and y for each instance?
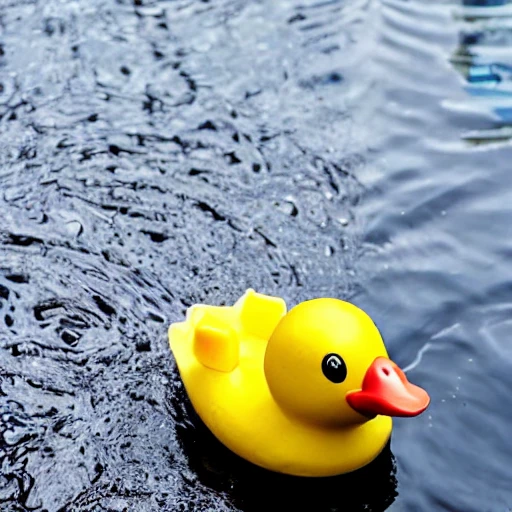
(326, 363)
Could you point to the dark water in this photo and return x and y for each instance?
(158, 154)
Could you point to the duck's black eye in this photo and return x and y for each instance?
(334, 368)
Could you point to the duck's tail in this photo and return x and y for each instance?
(259, 314)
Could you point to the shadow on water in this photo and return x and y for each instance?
(253, 489)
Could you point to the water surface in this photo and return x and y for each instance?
(156, 154)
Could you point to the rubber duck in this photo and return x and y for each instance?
(309, 392)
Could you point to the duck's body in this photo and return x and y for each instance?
(226, 365)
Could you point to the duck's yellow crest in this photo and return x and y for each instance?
(310, 392)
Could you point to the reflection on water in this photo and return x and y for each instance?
(484, 59)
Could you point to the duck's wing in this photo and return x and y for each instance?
(259, 314)
(216, 343)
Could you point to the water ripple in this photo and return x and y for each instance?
(438, 242)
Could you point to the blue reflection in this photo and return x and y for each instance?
(483, 74)
(484, 3)
(505, 114)
(487, 79)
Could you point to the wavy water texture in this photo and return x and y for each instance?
(156, 154)
(159, 153)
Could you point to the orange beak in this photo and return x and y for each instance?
(387, 391)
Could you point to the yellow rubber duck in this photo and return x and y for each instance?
(310, 392)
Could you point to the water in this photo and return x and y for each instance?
(158, 154)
